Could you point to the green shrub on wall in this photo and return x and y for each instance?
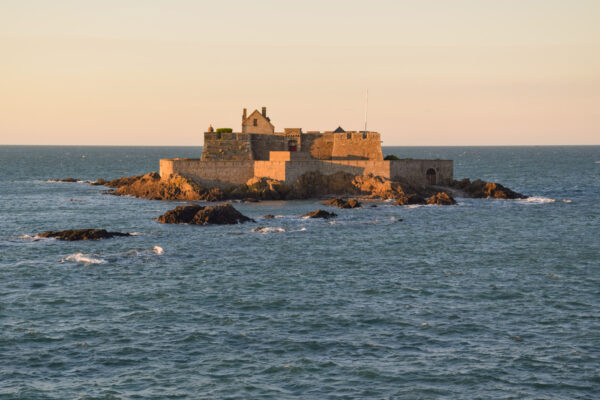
(224, 130)
(391, 157)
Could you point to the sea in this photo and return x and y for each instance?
(488, 299)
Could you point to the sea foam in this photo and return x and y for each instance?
(268, 229)
(158, 250)
(538, 200)
(82, 258)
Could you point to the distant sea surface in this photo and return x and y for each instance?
(489, 299)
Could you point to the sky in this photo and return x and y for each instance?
(438, 73)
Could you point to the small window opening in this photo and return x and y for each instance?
(255, 122)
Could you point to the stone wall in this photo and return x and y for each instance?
(319, 145)
(226, 146)
(223, 173)
(270, 169)
(209, 173)
(261, 145)
(357, 146)
(296, 169)
(416, 170)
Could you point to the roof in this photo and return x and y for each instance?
(339, 130)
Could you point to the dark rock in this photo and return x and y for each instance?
(268, 216)
(221, 214)
(250, 200)
(320, 214)
(99, 182)
(342, 203)
(408, 199)
(82, 234)
(481, 189)
(441, 199)
(63, 180)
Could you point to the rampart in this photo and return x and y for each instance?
(288, 167)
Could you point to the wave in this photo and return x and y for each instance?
(82, 258)
(597, 162)
(34, 238)
(268, 229)
(537, 200)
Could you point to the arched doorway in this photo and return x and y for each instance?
(431, 177)
(293, 145)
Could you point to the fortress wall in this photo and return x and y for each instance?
(295, 169)
(261, 145)
(319, 145)
(224, 173)
(357, 145)
(213, 173)
(416, 170)
(270, 169)
(226, 146)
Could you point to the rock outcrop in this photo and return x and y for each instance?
(342, 203)
(63, 180)
(441, 199)
(310, 185)
(221, 214)
(482, 189)
(320, 214)
(82, 234)
(151, 186)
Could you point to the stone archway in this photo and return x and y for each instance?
(431, 176)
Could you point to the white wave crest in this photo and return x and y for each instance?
(268, 229)
(597, 162)
(135, 233)
(538, 200)
(158, 250)
(82, 258)
(34, 238)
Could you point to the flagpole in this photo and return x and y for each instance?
(366, 109)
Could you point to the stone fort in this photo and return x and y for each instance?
(259, 151)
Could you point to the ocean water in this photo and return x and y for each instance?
(488, 299)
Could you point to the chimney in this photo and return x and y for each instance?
(244, 115)
(264, 112)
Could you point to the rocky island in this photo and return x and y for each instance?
(259, 163)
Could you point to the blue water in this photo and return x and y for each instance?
(488, 299)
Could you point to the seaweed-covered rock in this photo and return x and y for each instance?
(82, 234)
(342, 203)
(441, 199)
(481, 189)
(408, 199)
(320, 214)
(152, 186)
(221, 214)
(63, 180)
(268, 216)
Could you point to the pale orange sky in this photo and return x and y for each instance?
(150, 72)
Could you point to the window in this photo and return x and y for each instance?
(255, 122)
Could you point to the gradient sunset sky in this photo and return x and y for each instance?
(447, 72)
